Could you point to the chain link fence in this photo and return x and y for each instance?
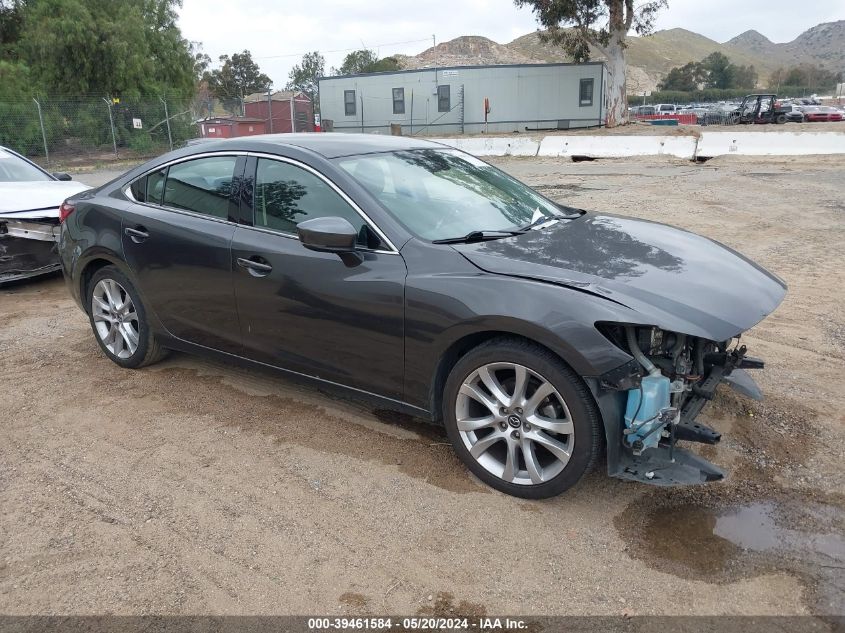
(75, 131)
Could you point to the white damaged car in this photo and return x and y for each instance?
(30, 199)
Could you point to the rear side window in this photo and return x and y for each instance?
(139, 189)
(202, 185)
(286, 195)
(149, 188)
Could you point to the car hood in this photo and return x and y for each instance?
(43, 197)
(671, 278)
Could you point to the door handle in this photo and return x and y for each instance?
(256, 268)
(137, 235)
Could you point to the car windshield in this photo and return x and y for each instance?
(442, 194)
(15, 169)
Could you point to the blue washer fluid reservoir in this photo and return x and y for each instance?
(654, 394)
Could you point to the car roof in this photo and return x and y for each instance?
(329, 145)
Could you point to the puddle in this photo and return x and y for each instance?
(726, 543)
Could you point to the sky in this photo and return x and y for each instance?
(278, 32)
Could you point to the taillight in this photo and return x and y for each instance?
(65, 210)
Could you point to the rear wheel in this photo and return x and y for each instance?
(520, 419)
(119, 320)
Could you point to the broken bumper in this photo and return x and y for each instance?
(27, 249)
(669, 465)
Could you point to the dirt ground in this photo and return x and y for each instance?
(195, 487)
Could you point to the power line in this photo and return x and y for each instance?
(344, 50)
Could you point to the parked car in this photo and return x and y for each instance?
(721, 114)
(665, 108)
(833, 114)
(794, 114)
(433, 282)
(815, 114)
(29, 216)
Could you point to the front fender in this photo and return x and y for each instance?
(447, 299)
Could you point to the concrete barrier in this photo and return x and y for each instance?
(710, 144)
(618, 146)
(493, 146)
(742, 143)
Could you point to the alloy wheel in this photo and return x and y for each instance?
(514, 423)
(115, 318)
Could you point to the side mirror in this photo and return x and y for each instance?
(62, 175)
(327, 235)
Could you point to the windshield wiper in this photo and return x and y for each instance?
(546, 219)
(477, 236)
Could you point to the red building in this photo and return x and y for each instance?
(278, 108)
(228, 127)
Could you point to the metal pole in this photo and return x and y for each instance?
(111, 125)
(434, 50)
(362, 114)
(412, 111)
(292, 113)
(167, 121)
(270, 108)
(43, 133)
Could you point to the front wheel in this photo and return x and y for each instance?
(119, 320)
(520, 419)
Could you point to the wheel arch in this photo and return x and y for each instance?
(88, 267)
(468, 341)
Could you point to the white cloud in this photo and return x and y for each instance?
(277, 32)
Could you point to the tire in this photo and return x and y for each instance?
(119, 320)
(504, 439)
(781, 119)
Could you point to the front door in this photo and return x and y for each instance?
(177, 239)
(339, 319)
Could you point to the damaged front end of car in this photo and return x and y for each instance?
(28, 244)
(656, 398)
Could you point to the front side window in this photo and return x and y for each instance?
(201, 185)
(349, 102)
(286, 195)
(444, 99)
(585, 97)
(439, 194)
(398, 101)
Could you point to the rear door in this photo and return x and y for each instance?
(337, 318)
(177, 239)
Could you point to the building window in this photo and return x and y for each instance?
(444, 100)
(585, 94)
(349, 102)
(398, 101)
